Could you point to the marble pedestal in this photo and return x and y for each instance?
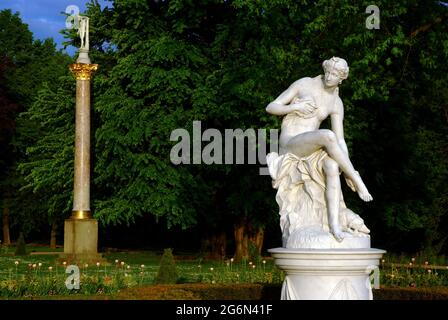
(81, 241)
(327, 274)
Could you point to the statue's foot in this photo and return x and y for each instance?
(363, 193)
(337, 233)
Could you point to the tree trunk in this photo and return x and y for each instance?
(6, 237)
(219, 245)
(257, 240)
(53, 235)
(241, 241)
(215, 246)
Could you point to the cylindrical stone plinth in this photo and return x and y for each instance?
(327, 274)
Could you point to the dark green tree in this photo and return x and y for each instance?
(31, 64)
(47, 169)
(164, 64)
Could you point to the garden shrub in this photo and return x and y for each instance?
(167, 273)
(21, 246)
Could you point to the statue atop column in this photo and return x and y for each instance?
(306, 171)
(83, 32)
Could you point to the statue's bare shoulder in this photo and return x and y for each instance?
(303, 83)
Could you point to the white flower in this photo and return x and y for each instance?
(50, 268)
(16, 263)
(213, 281)
(122, 263)
(383, 261)
(97, 264)
(211, 269)
(34, 265)
(142, 266)
(413, 259)
(129, 267)
(250, 263)
(64, 263)
(253, 267)
(40, 264)
(231, 259)
(426, 263)
(116, 261)
(410, 264)
(264, 261)
(86, 265)
(429, 270)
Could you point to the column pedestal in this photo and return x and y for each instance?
(81, 241)
(327, 274)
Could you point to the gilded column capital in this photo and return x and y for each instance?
(83, 71)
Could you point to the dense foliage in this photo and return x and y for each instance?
(26, 66)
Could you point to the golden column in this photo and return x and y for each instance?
(81, 230)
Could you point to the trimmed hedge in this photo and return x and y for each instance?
(167, 270)
(259, 292)
(411, 294)
(195, 292)
(21, 246)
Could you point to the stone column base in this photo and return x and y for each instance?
(81, 241)
(327, 274)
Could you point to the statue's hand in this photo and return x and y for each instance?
(350, 183)
(304, 106)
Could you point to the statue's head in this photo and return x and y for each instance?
(336, 70)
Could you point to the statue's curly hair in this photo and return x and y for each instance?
(339, 64)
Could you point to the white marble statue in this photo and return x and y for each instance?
(306, 170)
(83, 32)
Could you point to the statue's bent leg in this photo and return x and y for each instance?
(306, 143)
(333, 189)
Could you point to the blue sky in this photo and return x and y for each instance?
(44, 17)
